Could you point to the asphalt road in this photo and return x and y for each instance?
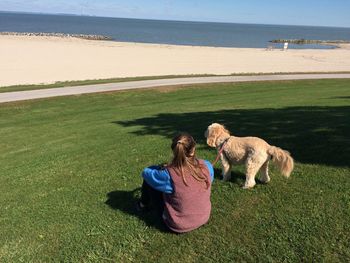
(66, 91)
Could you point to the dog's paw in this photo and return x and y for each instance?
(265, 181)
(247, 186)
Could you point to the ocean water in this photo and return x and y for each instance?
(171, 32)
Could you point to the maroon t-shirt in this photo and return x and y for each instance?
(189, 206)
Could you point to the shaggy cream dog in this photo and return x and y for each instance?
(254, 152)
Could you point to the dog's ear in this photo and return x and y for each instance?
(224, 130)
(212, 134)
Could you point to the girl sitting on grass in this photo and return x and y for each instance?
(180, 189)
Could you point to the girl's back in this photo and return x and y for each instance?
(189, 206)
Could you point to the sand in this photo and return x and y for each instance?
(35, 60)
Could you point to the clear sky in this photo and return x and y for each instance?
(292, 12)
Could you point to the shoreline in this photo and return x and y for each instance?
(335, 43)
(49, 59)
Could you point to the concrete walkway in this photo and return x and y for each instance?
(55, 92)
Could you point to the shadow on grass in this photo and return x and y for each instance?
(316, 135)
(341, 97)
(236, 177)
(125, 201)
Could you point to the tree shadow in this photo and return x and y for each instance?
(341, 97)
(315, 135)
(125, 201)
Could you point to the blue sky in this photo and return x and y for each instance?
(292, 12)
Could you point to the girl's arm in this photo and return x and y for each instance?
(158, 178)
(211, 170)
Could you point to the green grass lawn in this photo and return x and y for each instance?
(70, 174)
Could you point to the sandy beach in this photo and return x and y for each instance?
(34, 60)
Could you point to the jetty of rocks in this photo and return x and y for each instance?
(63, 35)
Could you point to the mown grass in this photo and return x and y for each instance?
(70, 172)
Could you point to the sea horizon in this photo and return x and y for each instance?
(169, 20)
(174, 32)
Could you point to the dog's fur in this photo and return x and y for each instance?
(254, 152)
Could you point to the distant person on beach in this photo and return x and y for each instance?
(181, 189)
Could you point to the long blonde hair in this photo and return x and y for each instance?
(183, 146)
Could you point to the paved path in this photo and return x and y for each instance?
(55, 92)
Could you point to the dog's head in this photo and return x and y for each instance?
(213, 132)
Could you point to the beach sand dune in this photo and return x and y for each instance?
(34, 60)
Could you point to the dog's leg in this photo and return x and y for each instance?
(265, 178)
(226, 168)
(252, 165)
(250, 176)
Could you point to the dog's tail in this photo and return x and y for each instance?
(282, 159)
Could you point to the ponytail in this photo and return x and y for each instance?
(183, 146)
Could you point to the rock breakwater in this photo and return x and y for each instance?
(63, 35)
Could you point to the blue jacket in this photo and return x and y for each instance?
(160, 180)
